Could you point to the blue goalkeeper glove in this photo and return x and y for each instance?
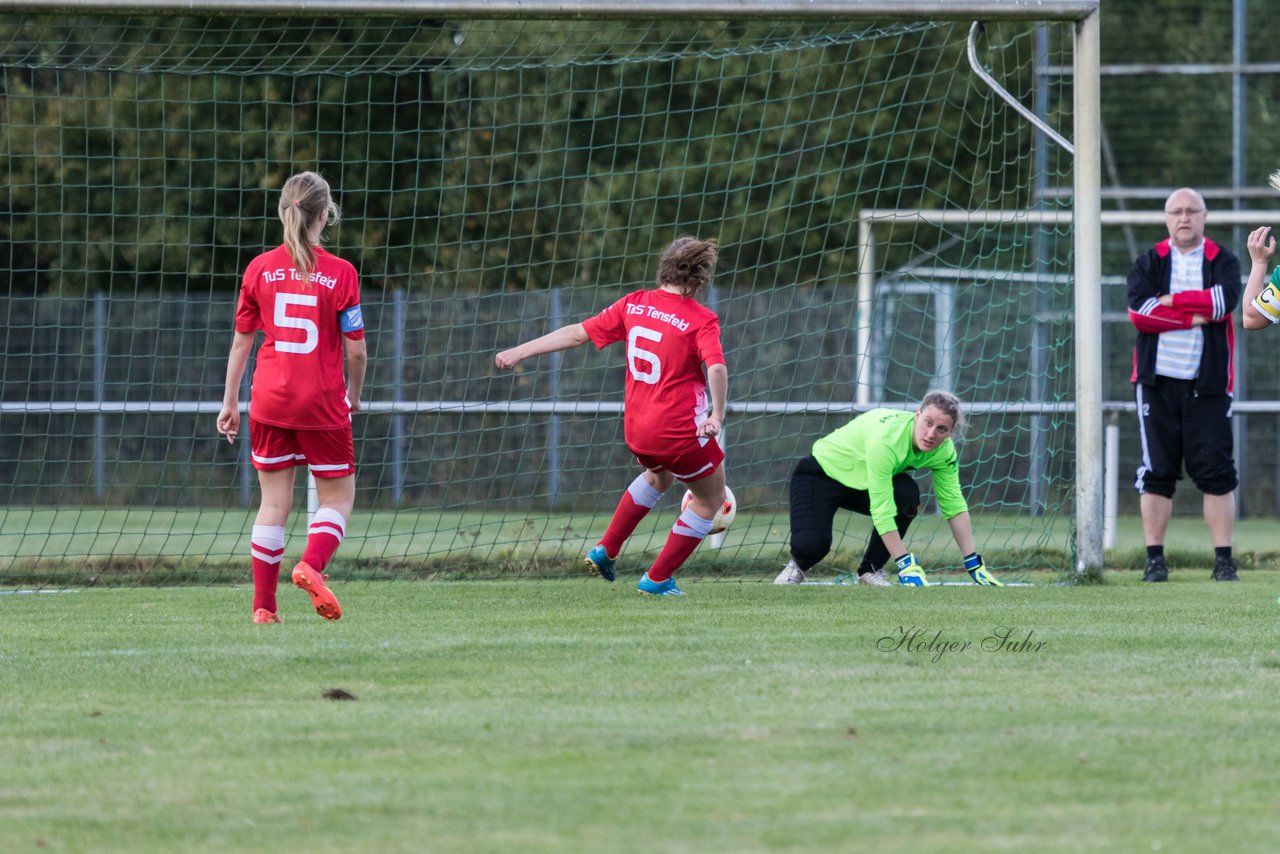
(978, 572)
(909, 572)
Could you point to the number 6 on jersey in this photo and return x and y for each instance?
(637, 355)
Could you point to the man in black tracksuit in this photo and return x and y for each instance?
(1181, 294)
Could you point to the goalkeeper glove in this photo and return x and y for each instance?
(979, 573)
(909, 572)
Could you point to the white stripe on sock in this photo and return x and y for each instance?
(266, 543)
(329, 521)
(642, 493)
(690, 524)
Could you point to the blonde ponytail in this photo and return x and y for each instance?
(304, 199)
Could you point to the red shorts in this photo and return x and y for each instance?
(327, 453)
(690, 461)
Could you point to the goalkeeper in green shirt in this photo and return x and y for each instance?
(865, 467)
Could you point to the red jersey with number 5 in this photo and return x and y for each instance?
(299, 381)
(668, 339)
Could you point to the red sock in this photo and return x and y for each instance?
(327, 531)
(634, 505)
(689, 530)
(266, 547)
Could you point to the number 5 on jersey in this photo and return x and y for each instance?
(638, 357)
(284, 320)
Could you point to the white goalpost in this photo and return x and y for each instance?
(505, 166)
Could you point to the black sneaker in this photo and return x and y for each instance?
(1157, 570)
(1224, 569)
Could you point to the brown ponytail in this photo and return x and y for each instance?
(687, 264)
(304, 199)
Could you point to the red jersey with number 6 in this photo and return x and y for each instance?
(668, 338)
(299, 381)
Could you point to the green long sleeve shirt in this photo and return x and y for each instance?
(867, 452)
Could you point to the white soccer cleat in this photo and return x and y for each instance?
(874, 579)
(791, 574)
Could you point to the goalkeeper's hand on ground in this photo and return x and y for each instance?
(909, 571)
(978, 572)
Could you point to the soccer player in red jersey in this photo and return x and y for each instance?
(307, 304)
(669, 424)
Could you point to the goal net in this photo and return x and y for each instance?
(498, 179)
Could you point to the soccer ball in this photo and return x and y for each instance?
(724, 517)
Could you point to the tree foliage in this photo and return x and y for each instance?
(144, 154)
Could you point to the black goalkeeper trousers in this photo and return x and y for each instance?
(815, 497)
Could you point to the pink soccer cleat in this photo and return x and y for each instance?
(326, 604)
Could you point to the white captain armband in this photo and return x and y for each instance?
(351, 320)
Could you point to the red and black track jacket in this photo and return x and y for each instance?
(1149, 279)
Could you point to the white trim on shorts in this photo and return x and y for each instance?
(271, 461)
(693, 475)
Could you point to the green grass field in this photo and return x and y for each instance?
(81, 547)
(579, 716)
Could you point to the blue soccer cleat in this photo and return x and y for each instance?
(658, 588)
(601, 564)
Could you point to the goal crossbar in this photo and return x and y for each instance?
(1009, 10)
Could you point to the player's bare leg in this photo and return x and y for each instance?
(636, 502)
(267, 541)
(337, 498)
(690, 529)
